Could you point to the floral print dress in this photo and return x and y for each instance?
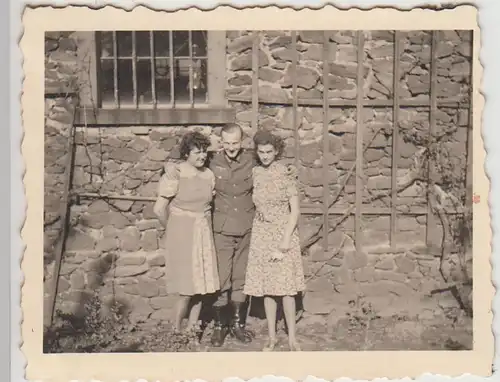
(273, 187)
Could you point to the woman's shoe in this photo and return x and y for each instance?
(294, 346)
(270, 345)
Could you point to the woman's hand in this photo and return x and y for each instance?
(285, 244)
(160, 210)
(292, 171)
(277, 256)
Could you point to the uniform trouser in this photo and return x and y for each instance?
(232, 259)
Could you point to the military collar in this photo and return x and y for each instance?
(236, 159)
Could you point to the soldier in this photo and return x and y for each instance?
(232, 223)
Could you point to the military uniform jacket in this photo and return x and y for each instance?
(233, 206)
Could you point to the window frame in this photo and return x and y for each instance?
(216, 111)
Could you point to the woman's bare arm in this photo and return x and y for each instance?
(160, 209)
(293, 217)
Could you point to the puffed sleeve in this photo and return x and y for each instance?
(290, 177)
(169, 182)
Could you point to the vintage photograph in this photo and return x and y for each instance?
(250, 192)
(258, 190)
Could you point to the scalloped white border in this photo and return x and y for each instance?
(486, 87)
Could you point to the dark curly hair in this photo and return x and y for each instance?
(265, 137)
(191, 141)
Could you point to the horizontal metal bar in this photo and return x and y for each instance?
(452, 103)
(149, 57)
(92, 195)
(305, 209)
(317, 210)
(60, 90)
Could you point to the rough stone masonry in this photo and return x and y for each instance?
(114, 247)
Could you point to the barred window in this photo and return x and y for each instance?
(153, 77)
(152, 68)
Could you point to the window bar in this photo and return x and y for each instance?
(153, 68)
(431, 221)
(115, 69)
(255, 81)
(134, 68)
(469, 187)
(454, 102)
(191, 83)
(171, 56)
(326, 113)
(296, 137)
(157, 57)
(359, 140)
(395, 136)
(295, 59)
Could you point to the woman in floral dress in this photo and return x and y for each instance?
(185, 194)
(275, 265)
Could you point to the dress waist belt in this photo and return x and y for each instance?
(179, 211)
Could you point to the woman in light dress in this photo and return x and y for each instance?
(185, 194)
(275, 265)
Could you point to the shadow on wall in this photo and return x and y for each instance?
(90, 284)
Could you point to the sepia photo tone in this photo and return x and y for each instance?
(376, 127)
(251, 192)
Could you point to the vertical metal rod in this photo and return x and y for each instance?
(296, 137)
(431, 220)
(134, 68)
(115, 69)
(359, 140)
(255, 81)
(395, 137)
(326, 109)
(64, 215)
(469, 184)
(172, 63)
(153, 67)
(191, 84)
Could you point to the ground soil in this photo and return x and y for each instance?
(446, 332)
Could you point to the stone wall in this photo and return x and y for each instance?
(114, 246)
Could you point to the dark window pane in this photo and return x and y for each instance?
(182, 81)
(162, 44)
(106, 42)
(142, 44)
(124, 44)
(200, 80)
(181, 43)
(162, 81)
(125, 84)
(144, 91)
(106, 83)
(199, 43)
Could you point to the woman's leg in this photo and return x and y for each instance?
(194, 314)
(289, 311)
(270, 307)
(180, 311)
